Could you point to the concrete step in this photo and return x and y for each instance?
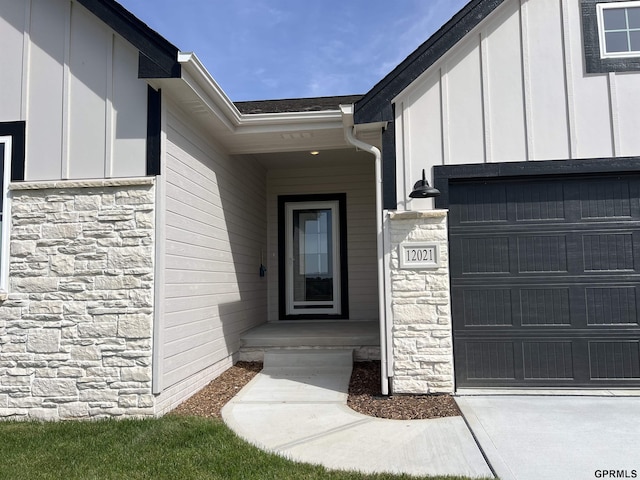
(363, 337)
(312, 334)
(308, 358)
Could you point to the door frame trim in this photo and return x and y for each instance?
(341, 198)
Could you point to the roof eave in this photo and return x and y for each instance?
(214, 98)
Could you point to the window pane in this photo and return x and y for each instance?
(634, 17)
(312, 256)
(614, 19)
(616, 42)
(635, 41)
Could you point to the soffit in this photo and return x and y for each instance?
(304, 159)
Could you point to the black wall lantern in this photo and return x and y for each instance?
(422, 189)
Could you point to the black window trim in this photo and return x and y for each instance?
(16, 130)
(591, 41)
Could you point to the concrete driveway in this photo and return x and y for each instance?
(557, 437)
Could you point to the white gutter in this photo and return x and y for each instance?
(216, 100)
(347, 112)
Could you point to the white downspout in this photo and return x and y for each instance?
(347, 111)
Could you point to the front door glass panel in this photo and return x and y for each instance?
(313, 270)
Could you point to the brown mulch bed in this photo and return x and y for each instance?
(364, 395)
(209, 401)
(365, 398)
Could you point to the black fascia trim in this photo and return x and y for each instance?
(16, 130)
(591, 42)
(154, 130)
(344, 270)
(371, 107)
(158, 57)
(443, 175)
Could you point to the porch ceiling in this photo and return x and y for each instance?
(304, 159)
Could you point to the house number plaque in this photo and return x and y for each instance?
(419, 255)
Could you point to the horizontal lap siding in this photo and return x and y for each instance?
(357, 180)
(215, 233)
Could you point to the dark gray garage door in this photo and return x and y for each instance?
(545, 281)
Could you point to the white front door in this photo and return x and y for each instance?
(312, 248)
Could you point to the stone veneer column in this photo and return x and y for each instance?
(76, 328)
(422, 336)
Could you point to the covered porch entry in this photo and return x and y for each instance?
(299, 184)
(320, 264)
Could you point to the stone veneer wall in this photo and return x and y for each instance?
(76, 328)
(422, 335)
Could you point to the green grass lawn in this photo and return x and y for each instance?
(167, 448)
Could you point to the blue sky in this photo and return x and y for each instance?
(270, 49)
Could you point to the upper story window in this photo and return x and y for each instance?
(619, 29)
(611, 35)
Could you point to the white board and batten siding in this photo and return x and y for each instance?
(215, 227)
(75, 83)
(514, 89)
(356, 178)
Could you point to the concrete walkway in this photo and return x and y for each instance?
(296, 407)
(557, 437)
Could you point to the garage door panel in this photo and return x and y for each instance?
(545, 290)
(614, 360)
(545, 306)
(482, 307)
(488, 254)
(489, 360)
(542, 253)
(612, 305)
(608, 252)
(577, 306)
(481, 204)
(548, 363)
(607, 199)
(544, 202)
(547, 360)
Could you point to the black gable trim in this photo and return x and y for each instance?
(154, 131)
(389, 184)
(158, 57)
(371, 108)
(17, 131)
